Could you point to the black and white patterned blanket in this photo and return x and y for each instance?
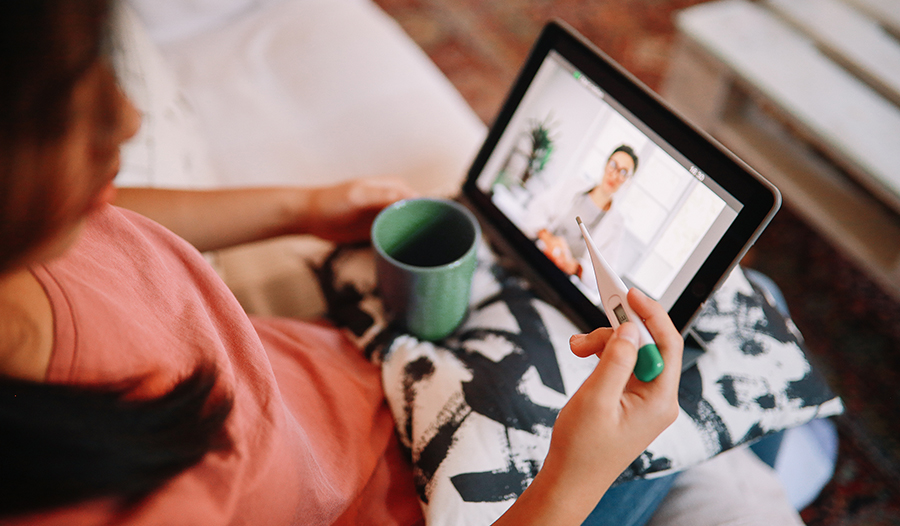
(476, 410)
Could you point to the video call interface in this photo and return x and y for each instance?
(571, 150)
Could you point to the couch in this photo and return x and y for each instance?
(274, 92)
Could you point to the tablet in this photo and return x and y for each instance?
(670, 209)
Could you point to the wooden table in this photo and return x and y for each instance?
(808, 93)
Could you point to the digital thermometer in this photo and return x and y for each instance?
(615, 303)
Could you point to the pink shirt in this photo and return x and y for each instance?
(313, 436)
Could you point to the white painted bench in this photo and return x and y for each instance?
(808, 93)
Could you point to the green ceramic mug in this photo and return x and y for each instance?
(425, 258)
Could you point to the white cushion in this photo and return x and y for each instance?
(733, 489)
(169, 150)
(318, 91)
(169, 20)
(476, 409)
(304, 92)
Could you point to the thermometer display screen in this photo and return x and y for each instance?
(619, 310)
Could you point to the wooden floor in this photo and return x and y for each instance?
(480, 45)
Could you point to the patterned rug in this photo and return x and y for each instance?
(851, 327)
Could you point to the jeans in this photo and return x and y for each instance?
(632, 503)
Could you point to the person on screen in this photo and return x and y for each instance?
(561, 241)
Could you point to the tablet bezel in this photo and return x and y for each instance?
(759, 197)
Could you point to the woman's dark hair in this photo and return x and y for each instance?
(63, 444)
(60, 445)
(46, 46)
(630, 151)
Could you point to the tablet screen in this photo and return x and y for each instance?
(566, 146)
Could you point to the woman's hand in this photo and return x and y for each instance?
(214, 219)
(608, 422)
(344, 212)
(613, 410)
(558, 251)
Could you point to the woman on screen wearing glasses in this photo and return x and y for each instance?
(562, 242)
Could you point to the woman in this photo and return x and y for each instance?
(562, 241)
(134, 389)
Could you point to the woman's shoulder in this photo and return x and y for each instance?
(131, 298)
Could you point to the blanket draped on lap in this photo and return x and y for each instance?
(476, 410)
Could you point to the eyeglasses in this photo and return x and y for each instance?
(613, 166)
